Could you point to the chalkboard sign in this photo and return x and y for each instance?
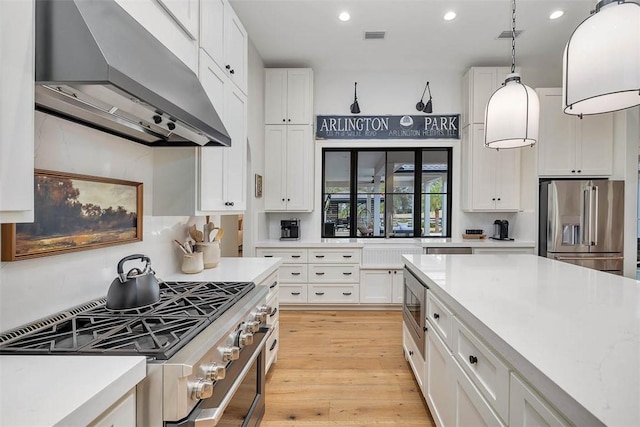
(432, 126)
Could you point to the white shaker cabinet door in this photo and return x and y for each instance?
(236, 49)
(275, 96)
(185, 13)
(235, 163)
(375, 286)
(17, 121)
(556, 148)
(212, 29)
(299, 94)
(594, 145)
(527, 409)
(507, 179)
(299, 168)
(275, 176)
(483, 162)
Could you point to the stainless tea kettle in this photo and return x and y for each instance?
(137, 288)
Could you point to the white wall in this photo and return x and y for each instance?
(396, 93)
(32, 289)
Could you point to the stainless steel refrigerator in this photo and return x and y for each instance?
(582, 222)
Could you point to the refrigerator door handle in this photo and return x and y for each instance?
(584, 258)
(585, 220)
(594, 216)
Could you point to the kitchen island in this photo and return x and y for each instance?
(566, 335)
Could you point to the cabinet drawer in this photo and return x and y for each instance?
(325, 273)
(291, 273)
(440, 317)
(292, 294)
(289, 256)
(272, 282)
(345, 294)
(485, 369)
(272, 347)
(334, 256)
(274, 315)
(412, 355)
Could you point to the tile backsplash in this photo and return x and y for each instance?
(32, 289)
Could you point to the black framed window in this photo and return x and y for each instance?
(374, 193)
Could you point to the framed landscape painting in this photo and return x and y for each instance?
(75, 212)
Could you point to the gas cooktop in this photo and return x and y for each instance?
(158, 331)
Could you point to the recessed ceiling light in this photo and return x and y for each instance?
(344, 16)
(556, 14)
(449, 15)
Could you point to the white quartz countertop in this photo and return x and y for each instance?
(63, 390)
(572, 332)
(424, 242)
(245, 269)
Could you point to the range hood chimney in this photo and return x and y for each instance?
(98, 66)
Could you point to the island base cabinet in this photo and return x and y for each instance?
(121, 414)
(437, 391)
(413, 356)
(527, 409)
(469, 408)
(272, 347)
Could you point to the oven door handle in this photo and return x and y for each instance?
(210, 417)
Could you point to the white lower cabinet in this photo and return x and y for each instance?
(333, 294)
(527, 409)
(121, 414)
(376, 286)
(489, 374)
(437, 390)
(469, 408)
(413, 356)
(272, 347)
(293, 294)
(467, 383)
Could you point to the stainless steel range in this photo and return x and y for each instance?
(203, 341)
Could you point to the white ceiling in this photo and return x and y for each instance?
(307, 33)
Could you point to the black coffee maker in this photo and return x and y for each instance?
(501, 230)
(290, 229)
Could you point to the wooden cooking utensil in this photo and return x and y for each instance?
(219, 235)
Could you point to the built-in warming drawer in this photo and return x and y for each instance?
(440, 317)
(293, 294)
(293, 273)
(485, 369)
(334, 256)
(326, 273)
(334, 294)
(289, 256)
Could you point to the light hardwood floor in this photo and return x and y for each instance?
(342, 368)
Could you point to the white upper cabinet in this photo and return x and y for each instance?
(478, 84)
(570, 146)
(288, 180)
(16, 110)
(288, 96)
(225, 40)
(185, 13)
(173, 22)
(490, 178)
(197, 181)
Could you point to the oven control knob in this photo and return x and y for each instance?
(214, 372)
(201, 389)
(245, 339)
(262, 313)
(253, 326)
(231, 353)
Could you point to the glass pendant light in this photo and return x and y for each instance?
(513, 111)
(601, 64)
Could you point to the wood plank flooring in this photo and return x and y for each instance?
(342, 368)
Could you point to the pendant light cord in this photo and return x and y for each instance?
(513, 38)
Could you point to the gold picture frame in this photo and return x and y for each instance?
(73, 213)
(258, 185)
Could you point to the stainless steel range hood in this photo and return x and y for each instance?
(97, 66)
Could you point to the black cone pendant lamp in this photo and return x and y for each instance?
(421, 106)
(355, 108)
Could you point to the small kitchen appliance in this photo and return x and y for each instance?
(501, 230)
(134, 289)
(290, 229)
